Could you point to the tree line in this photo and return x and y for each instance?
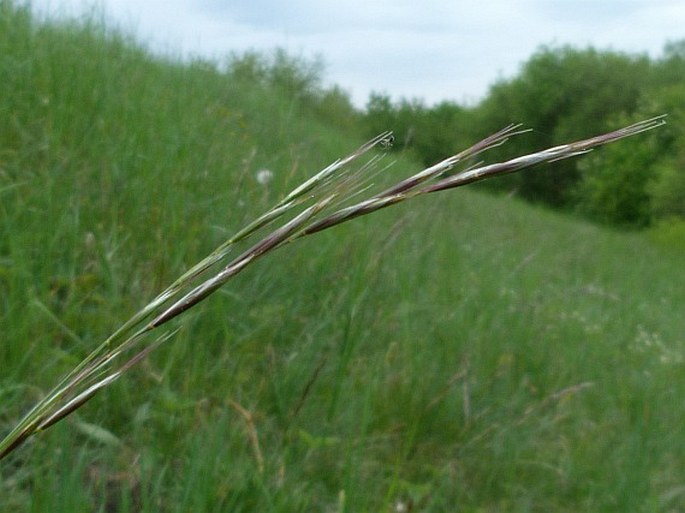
(563, 94)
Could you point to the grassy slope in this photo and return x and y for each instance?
(461, 350)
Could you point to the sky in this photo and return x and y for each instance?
(434, 50)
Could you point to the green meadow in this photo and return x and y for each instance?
(460, 352)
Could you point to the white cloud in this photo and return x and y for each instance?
(437, 49)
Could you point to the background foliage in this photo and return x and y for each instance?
(561, 93)
(470, 352)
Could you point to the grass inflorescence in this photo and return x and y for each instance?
(455, 351)
(99, 369)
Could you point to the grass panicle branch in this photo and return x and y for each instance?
(329, 198)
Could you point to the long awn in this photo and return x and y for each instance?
(329, 198)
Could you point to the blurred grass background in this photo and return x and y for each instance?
(465, 352)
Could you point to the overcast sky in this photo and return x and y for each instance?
(430, 49)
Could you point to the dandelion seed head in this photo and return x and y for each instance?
(401, 507)
(264, 176)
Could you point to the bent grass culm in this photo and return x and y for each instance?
(327, 199)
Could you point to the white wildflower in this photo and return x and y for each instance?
(264, 176)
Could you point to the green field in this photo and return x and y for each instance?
(460, 352)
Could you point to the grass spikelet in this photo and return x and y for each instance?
(331, 197)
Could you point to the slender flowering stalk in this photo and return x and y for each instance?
(270, 242)
(329, 198)
(496, 139)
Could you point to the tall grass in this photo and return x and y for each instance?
(328, 194)
(456, 351)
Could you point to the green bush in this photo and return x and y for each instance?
(667, 190)
(613, 185)
(561, 93)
